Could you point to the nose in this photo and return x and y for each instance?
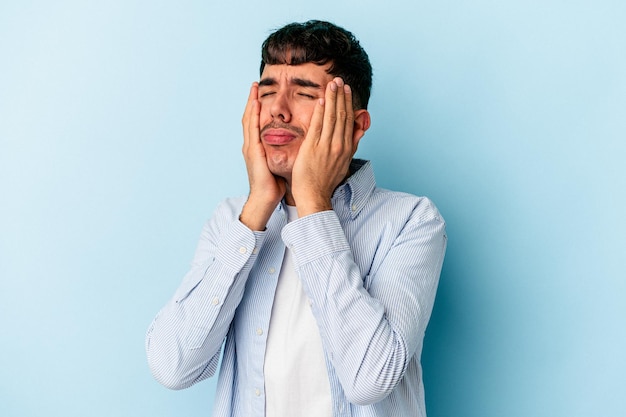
(280, 108)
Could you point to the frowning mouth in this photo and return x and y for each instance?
(275, 137)
(272, 134)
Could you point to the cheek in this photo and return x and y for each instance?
(304, 117)
(264, 115)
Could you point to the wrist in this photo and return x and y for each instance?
(255, 215)
(312, 207)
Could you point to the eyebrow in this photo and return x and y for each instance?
(302, 82)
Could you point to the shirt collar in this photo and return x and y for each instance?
(356, 190)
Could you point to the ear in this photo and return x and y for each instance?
(362, 122)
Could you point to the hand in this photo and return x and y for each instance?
(266, 190)
(323, 160)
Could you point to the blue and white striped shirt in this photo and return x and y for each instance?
(370, 268)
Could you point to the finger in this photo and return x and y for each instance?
(254, 126)
(340, 110)
(330, 115)
(317, 123)
(250, 119)
(249, 111)
(253, 95)
(349, 123)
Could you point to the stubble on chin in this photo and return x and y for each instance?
(279, 164)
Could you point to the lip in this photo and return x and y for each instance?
(278, 136)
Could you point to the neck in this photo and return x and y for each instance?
(289, 196)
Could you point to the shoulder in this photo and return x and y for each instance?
(225, 212)
(397, 203)
(231, 205)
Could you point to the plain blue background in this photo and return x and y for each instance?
(120, 132)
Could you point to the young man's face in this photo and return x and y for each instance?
(288, 94)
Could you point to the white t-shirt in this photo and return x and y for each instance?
(296, 380)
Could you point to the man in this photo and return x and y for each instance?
(318, 284)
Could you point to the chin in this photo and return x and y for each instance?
(280, 164)
(281, 171)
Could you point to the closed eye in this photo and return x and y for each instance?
(306, 95)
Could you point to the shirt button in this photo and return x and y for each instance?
(216, 301)
(255, 251)
(271, 270)
(353, 207)
(257, 392)
(259, 331)
(242, 250)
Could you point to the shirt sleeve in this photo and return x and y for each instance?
(184, 340)
(370, 335)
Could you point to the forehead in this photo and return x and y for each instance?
(309, 71)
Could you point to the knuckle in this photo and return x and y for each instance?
(336, 148)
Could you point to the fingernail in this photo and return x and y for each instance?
(333, 86)
(346, 88)
(339, 81)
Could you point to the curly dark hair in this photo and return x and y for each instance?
(322, 42)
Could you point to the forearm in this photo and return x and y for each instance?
(184, 340)
(370, 332)
(367, 350)
(187, 334)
